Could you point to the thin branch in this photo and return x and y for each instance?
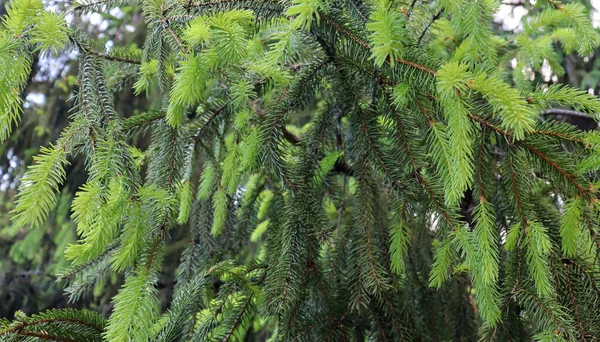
(364, 44)
(175, 37)
(509, 135)
(340, 166)
(435, 17)
(584, 192)
(210, 119)
(567, 112)
(17, 328)
(410, 9)
(238, 319)
(513, 179)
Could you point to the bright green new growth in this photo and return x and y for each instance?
(337, 170)
(27, 28)
(388, 35)
(38, 189)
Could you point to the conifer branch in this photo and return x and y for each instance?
(370, 250)
(559, 135)
(584, 192)
(83, 6)
(590, 226)
(586, 273)
(175, 37)
(480, 164)
(215, 113)
(112, 58)
(212, 3)
(374, 150)
(416, 172)
(515, 188)
(365, 45)
(574, 302)
(341, 207)
(547, 311)
(238, 320)
(85, 110)
(17, 328)
(402, 134)
(382, 334)
(312, 326)
(104, 107)
(509, 135)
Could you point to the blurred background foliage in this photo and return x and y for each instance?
(30, 259)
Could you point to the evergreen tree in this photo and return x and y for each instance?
(346, 170)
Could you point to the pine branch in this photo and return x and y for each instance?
(237, 321)
(509, 135)
(375, 151)
(17, 328)
(365, 45)
(556, 4)
(516, 191)
(574, 302)
(584, 192)
(585, 272)
(546, 310)
(175, 37)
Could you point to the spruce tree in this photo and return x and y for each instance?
(346, 170)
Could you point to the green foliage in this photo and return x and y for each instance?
(187, 88)
(39, 186)
(50, 32)
(304, 11)
(516, 114)
(538, 249)
(63, 324)
(570, 226)
(135, 306)
(185, 202)
(26, 25)
(19, 14)
(452, 81)
(388, 35)
(399, 241)
(365, 170)
(219, 204)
